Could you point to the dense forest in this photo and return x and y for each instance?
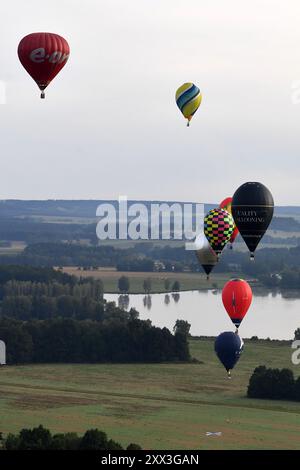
(120, 338)
(47, 316)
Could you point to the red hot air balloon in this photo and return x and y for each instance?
(234, 235)
(226, 204)
(237, 298)
(43, 55)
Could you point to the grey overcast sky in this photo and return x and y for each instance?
(109, 125)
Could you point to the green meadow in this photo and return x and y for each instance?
(159, 406)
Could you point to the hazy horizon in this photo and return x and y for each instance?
(207, 203)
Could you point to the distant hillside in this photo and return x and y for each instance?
(63, 220)
(87, 208)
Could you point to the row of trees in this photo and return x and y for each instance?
(40, 438)
(58, 318)
(286, 279)
(9, 272)
(124, 285)
(143, 257)
(84, 288)
(28, 292)
(28, 307)
(274, 384)
(26, 301)
(121, 338)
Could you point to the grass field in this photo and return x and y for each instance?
(159, 406)
(188, 281)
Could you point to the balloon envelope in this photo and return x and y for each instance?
(205, 254)
(234, 234)
(252, 210)
(226, 205)
(237, 298)
(188, 99)
(228, 347)
(218, 228)
(43, 55)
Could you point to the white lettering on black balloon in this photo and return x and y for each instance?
(249, 216)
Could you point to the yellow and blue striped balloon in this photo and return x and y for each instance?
(188, 99)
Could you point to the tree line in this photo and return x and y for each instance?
(273, 267)
(28, 293)
(89, 287)
(64, 254)
(40, 438)
(28, 307)
(25, 300)
(124, 285)
(19, 272)
(120, 338)
(59, 318)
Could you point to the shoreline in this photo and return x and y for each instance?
(295, 293)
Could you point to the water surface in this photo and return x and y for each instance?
(271, 315)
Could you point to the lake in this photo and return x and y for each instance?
(272, 315)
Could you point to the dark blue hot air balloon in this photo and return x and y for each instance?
(228, 347)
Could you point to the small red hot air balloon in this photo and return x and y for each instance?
(43, 55)
(226, 204)
(234, 235)
(237, 298)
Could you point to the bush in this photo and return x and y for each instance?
(30, 439)
(124, 285)
(273, 384)
(94, 440)
(133, 447)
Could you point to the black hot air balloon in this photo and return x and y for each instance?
(228, 347)
(252, 210)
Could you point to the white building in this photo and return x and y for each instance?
(2, 353)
